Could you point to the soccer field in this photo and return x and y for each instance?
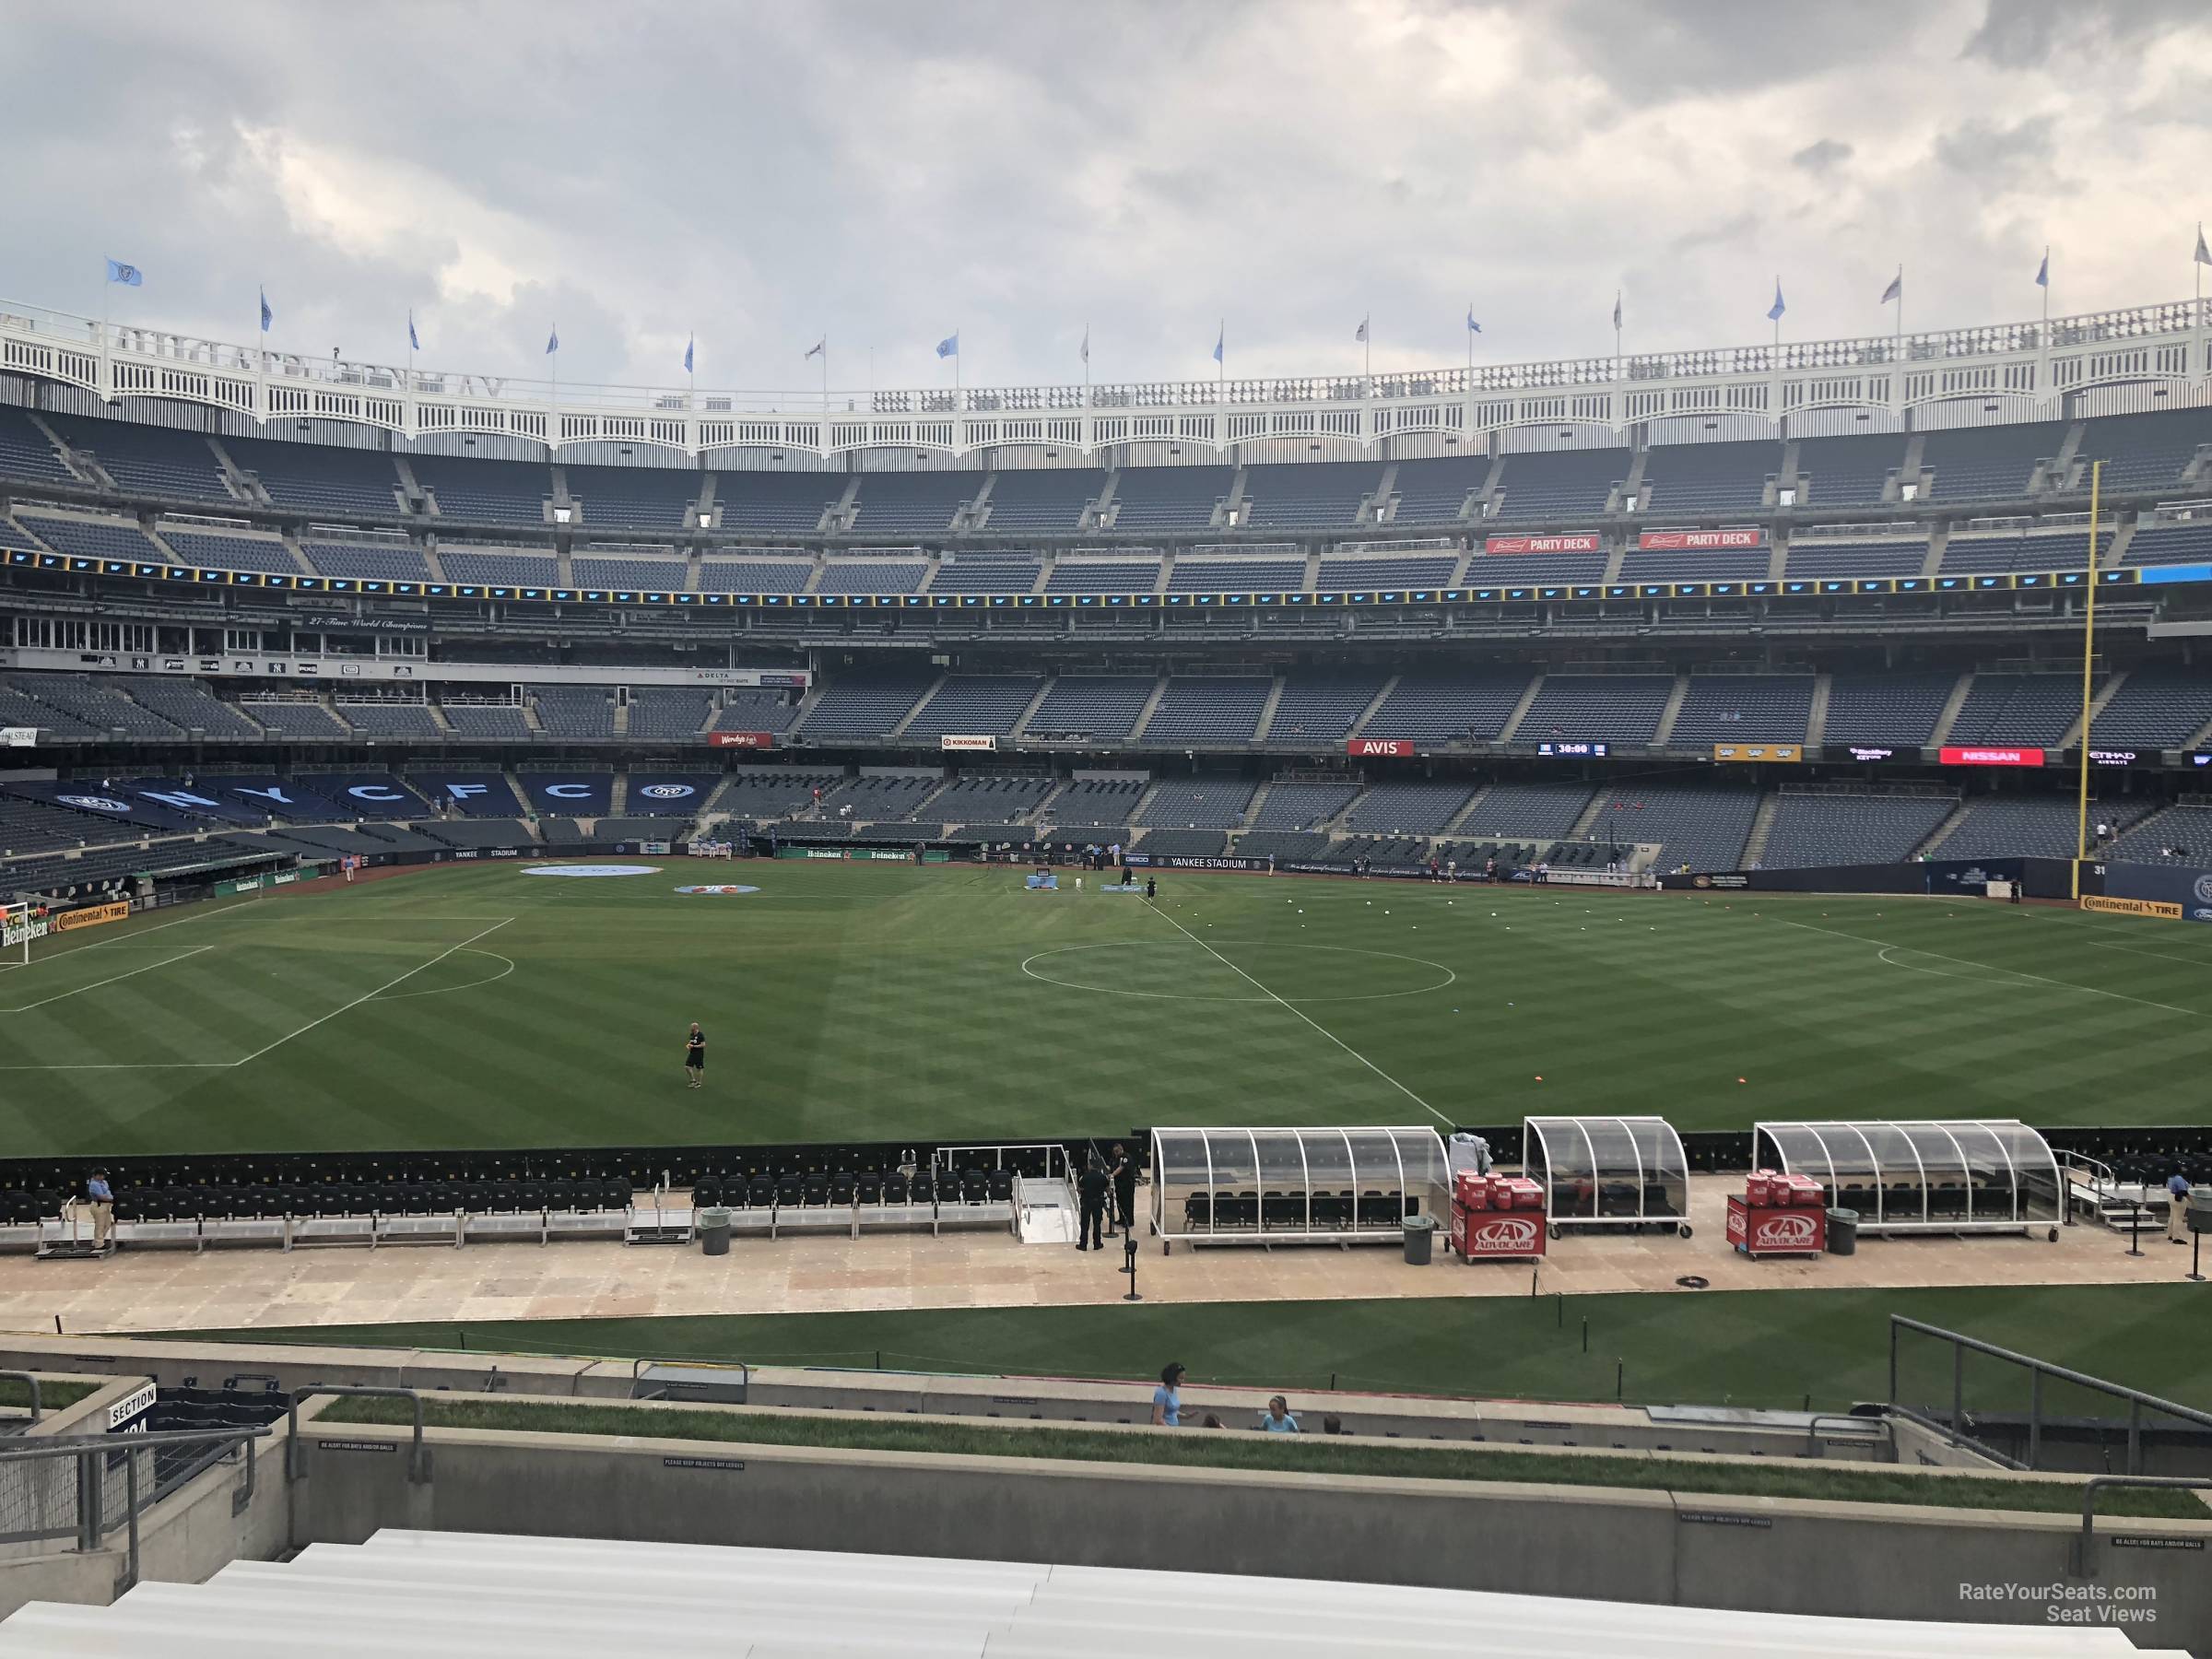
(474, 1006)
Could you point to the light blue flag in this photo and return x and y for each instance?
(1896, 290)
(1473, 327)
(414, 342)
(1220, 340)
(553, 340)
(2042, 272)
(130, 276)
(2203, 254)
(949, 346)
(266, 315)
(687, 345)
(1774, 311)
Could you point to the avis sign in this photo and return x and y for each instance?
(1357, 747)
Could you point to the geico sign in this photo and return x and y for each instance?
(1503, 1234)
(1786, 1232)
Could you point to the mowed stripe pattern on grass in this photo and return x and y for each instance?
(883, 1002)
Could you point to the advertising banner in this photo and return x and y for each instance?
(92, 915)
(1379, 746)
(860, 855)
(752, 740)
(15, 933)
(18, 736)
(1701, 538)
(1953, 756)
(1758, 751)
(1506, 1235)
(1585, 543)
(951, 741)
(1777, 1231)
(2187, 891)
(1950, 877)
(2161, 908)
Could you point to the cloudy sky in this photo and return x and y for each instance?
(886, 172)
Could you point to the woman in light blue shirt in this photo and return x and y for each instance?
(1167, 1399)
(1277, 1419)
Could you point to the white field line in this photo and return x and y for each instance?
(1991, 967)
(1300, 1014)
(111, 979)
(265, 1048)
(366, 996)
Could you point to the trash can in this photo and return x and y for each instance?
(1842, 1233)
(714, 1230)
(1420, 1240)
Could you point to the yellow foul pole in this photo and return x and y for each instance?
(2089, 664)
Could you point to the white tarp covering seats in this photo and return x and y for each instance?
(1956, 1175)
(1608, 1172)
(1229, 1186)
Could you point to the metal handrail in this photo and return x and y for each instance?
(2084, 1566)
(30, 1381)
(418, 1459)
(1812, 1430)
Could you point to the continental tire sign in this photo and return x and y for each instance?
(92, 915)
(2132, 907)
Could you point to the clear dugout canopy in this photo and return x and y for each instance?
(1607, 1169)
(1207, 1183)
(1939, 1173)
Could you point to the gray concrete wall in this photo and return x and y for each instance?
(1755, 1554)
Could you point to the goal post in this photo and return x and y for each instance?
(19, 924)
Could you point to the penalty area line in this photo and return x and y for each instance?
(114, 978)
(1301, 1014)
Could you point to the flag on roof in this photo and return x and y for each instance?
(949, 347)
(1774, 311)
(1896, 290)
(1360, 332)
(553, 340)
(2203, 254)
(266, 315)
(1087, 342)
(1616, 310)
(688, 346)
(1220, 340)
(2042, 272)
(130, 276)
(815, 350)
(414, 342)
(1473, 327)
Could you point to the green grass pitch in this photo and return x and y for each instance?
(473, 1005)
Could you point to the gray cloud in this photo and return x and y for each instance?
(1822, 156)
(763, 176)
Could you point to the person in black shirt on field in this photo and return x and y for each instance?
(1151, 888)
(695, 1056)
(1123, 1172)
(1093, 1189)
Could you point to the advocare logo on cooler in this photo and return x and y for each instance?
(1503, 1232)
(1785, 1232)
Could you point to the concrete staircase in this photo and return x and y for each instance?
(1631, 486)
(1160, 690)
(1274, 698)
(1939, 538)
(838, 518)
(1950, 717)
(2073, 733)
(978, 511)
(622, 720)
(705, 504)
(1815, 724)
(1586, 822)
(617, 800)
(1368, 714)
(242, 485)
(1910, 471)
(1491, 481)
(1616, 557)
(530, 717)
(1375, 509)
(921, 702)
(1672, 712)
(1762, 823)
(1512, 721)
(2060, 474)
(1021, 724)
(1942, 832)
(1251, 807)
(1230, 503)
(1465, 814)
(1100, 513)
